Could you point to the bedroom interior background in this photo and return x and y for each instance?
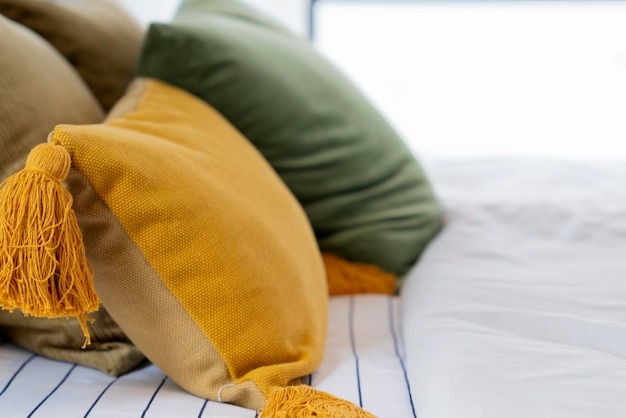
(564, 77)
(572, 90)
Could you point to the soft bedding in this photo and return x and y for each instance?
(518, 308)
(363, 363)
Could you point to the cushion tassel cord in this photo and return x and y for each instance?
(43, 268)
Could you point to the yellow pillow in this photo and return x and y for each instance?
(213, 254)
(200, 252)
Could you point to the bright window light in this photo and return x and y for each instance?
(488, 78)
(148, 11)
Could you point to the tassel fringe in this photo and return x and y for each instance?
(304, 402)
(348, 278)
(43, 268)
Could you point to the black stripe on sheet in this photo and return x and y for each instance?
(353, 344)
(100, 396)
(143, 414)
(53, 390)
(206, 401)
(16, 373)
(392, 328)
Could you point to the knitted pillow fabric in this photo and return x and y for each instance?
(38, 90)
(200, 252)
(98, 37)
(364, 193)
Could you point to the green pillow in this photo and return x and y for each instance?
(365, 195)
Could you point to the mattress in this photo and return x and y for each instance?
(518, 308)
(363, 363)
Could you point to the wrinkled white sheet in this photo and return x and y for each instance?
(518, 308)
(363, 363)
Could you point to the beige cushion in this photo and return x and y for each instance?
(38, 90)
(97, 36)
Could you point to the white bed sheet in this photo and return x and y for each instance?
(518, 308)
(363, 363)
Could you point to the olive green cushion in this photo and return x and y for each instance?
(365, 195)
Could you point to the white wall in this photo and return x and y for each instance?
(292, 13)
(472, 79)
(147, 11)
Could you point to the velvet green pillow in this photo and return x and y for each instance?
(365, 195)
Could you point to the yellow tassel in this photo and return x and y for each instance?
(304, 402)
(348, 278)
(43, 268)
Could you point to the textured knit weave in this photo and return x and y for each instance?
(201, 253)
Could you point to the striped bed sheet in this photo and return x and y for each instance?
(363, 362)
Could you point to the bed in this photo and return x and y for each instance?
(363, 363)
(517, 309)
